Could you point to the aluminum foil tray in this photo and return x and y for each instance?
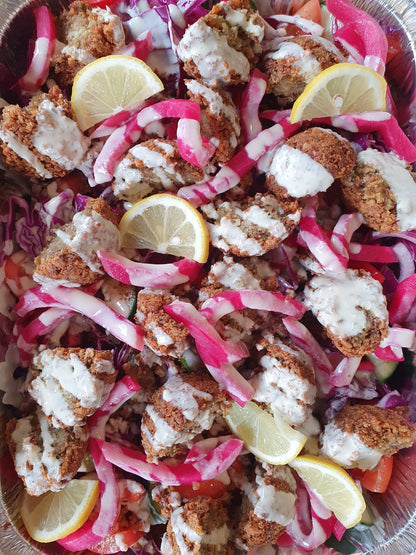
(394, 513)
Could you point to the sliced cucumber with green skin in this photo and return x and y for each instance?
(120, 297)
(383, 369)
(367, 519)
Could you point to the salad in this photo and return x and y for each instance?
(207, 279)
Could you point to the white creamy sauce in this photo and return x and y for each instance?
(78, 54)
(402, 185)
(303, 60)
(116, 25)
(58, 136)
(234, 275)
(238, 18)
(275, 506)
(162, 338)
(298, 173)
(347, 449)
(24, 153)
(212, 55)
(128, 182)
(287, 393)
(164, 435)
(92, 233)
(226, 234)
(258, 216)
(185, 397)
(338, 300)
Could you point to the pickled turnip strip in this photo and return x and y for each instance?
(230, 174)
(403, 300)
(89, 306)
(207, 467)
(345, 371)
(405, 260)
(343, 231)
(317, 242)
(127, 135)
(227, 375)
(368, 30)
(384, 123)
(399, 337)
(38, 69)
(206, 336)
(352, 42)
(392, 353)
(250, 102)
(148, 275)
(372, 253)
(221, 304)
(192, 147)
(140, 47)
(306, 25)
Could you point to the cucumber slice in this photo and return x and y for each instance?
(367, 519)
(383, 369)
(120, 297)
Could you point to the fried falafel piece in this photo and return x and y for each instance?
(182, 408)
(223, 47)
(86, 33)
(284, 379)
(219, 118)
(383, 189)
(162, 333)
(70, 258)
(351, 307)
(150, 167)
(252, 226)
(42, 140)
(268, 506)
(46, 458)
(294, 63)
(359, 435)
(70, 384)
(201, 527)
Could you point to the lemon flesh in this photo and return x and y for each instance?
(109, 85)
(340, 89)
(270, 438)
(167, 224)
(333, 485)
(55, 515)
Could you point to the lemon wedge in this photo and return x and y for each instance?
(54, 515)
(269, 438)
(167, 224)
(340, 89)
(109, 85)
(334, 486)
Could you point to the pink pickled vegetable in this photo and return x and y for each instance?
(343, 231)
(127, 135)
(88, 305)
(109, 125)
(240, 164)
(206, 336)
(140, 47)
(382, 122)
(306, 25)
(148, 275)
(400, 337)
(229, 378)
(352, 42)
(345, 371)
(250, 102)
(369, 32)
(392, 352)
(207, 467)
(221, 304)
(318, 243)
(405, 260)
(192, 147)
(403, 300)
(372, 253)
(38, 69)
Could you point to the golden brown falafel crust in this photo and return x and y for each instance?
(382, 429)
(337, 156)
(285, 81)
(366, 191)
(22, 123)
(57, 261)
(365, 342)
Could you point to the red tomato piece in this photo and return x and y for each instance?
(295, 5)
(361, 265)
(207, 488)
(377, 480)
(311, 10)
(101, 3)
(393, 47)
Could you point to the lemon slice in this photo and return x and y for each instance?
(334, 486)
(340, 89)
(167, 224)
(109, 85)
(271, 439)
(54, 515)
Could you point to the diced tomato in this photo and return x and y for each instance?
(355, 473)
(377, 480)
(101, 3)
(311, 10)
(393, 47)
(18, 270)
(111, 543)
(207, 488)
(293, 30)
(76, 181)
(361, 265)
